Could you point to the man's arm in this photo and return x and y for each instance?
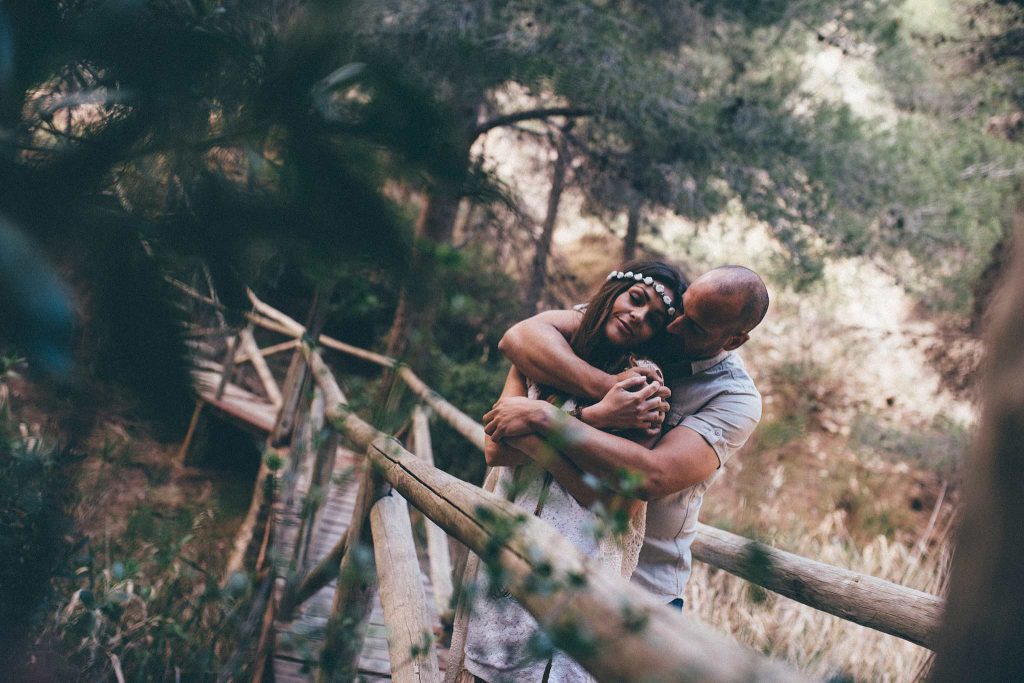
(539, 347)
(680, 459)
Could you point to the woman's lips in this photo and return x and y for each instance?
(625, 328)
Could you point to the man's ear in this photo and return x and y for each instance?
(675, 326)
(736, 341)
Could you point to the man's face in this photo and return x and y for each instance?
(707, 323)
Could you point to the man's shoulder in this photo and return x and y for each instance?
(725, 388)
(736, 372)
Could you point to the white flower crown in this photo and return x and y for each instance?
(658, 287)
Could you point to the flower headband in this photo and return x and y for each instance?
(658, 287)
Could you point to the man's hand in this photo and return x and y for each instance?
(515, 416)
(632, 403)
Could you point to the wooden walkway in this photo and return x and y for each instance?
(298, 642)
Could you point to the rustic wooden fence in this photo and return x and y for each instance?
(630, 636)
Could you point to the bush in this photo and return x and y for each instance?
(155, 615)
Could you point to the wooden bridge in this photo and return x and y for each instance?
(341, 611)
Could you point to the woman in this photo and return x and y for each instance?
(623, 319)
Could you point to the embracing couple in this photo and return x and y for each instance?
(646, 400)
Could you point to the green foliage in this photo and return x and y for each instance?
(153, 617)
(473, 387)
(758, 563)
(149, 135)
(33, 520)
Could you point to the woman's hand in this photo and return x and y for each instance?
(503, 454)
(516, 416)
(632, 403)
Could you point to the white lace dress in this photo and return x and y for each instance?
(502, 639)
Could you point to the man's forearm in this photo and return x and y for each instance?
(565, 472)
(602, 454)
(543, 354)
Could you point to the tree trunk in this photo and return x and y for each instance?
(540, 257)
(418, 301)
(983, 635)
(632, 229)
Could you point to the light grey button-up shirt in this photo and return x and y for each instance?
(718, 400)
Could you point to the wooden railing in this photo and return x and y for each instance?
(665, 646)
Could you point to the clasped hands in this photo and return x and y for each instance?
(638, 400)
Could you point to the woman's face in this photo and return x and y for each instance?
(637, 315)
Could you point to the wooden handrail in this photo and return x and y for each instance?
(866, 600)
(469, 428)
(633, 636)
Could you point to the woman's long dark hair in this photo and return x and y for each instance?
(589, 341)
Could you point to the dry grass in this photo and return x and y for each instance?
(818, 643)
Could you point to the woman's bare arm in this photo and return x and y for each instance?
(498, 454)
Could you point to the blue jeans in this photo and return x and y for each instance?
(677, 604)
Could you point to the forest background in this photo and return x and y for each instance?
(437, 171)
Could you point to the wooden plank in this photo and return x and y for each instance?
(237, 402)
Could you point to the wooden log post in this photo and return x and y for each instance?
(353, 595)
(297, 379)
(466, 571)
(243, 537)
(309, 416)
(437, 540)
(291, 393)
(186, 443)
(866, 600)
(410, 634)
(326, 444)
(228, 367)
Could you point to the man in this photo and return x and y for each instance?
(714, 408)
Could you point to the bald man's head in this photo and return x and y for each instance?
(719, 310)
(743, 289)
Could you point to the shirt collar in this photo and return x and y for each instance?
(691, 368)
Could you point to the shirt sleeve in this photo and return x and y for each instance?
(726, 422)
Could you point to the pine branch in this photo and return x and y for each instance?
(528, 115)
